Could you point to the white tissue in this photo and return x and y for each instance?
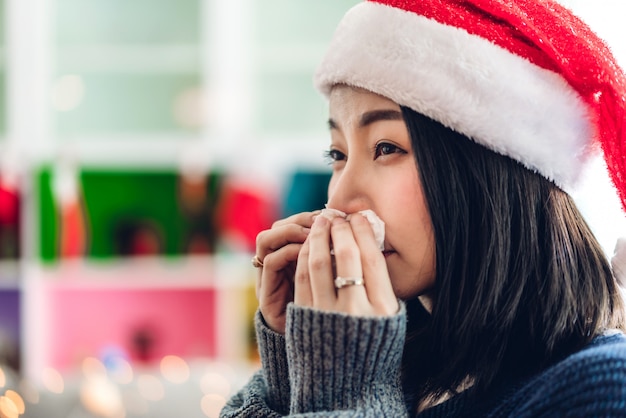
(378, 226)
(330, 213)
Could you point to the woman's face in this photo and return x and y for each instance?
(374, 168)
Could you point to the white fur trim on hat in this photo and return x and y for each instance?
(465, 82)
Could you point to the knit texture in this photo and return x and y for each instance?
(343, 362)
(275, 367)
(336, 365)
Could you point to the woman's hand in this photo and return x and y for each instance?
(278, 249)
(356, 255)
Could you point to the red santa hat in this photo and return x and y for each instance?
(525, 78)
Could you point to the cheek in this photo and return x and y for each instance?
(331, 186)
(411, 223)
(410, 230)
(404, 201)
(416, 218)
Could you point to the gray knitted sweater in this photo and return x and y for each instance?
(337, 365)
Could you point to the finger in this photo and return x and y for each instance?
(273, 239)
(302, 285)
(303, 218)
(348, 264)
(320, 265)
(377, 282)
(275, 262)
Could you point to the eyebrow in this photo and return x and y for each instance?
(373, 116)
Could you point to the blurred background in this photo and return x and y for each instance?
(143, 145)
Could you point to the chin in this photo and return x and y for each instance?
(404, 292)
(409, 287)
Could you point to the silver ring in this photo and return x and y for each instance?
(256, 262)
(348, 281)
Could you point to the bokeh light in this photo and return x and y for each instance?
(101, 397)
(52, 380)
(212, 405)
(8, 409)
(17, 400)
(174, 369)
(215, 383)
(91, 366)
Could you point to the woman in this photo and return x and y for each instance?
(462, 125)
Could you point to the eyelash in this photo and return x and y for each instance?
(379, 147)
(332, 155)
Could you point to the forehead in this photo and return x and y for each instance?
(346, 102)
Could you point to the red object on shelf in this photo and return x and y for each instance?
(73, 234)
(9, 205)
(244, 211)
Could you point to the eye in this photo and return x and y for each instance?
(385, 148)
(332, 156)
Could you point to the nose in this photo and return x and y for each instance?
(348, 191)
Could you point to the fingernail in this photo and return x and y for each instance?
(320, 221)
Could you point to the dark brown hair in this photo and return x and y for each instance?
(521, 280)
